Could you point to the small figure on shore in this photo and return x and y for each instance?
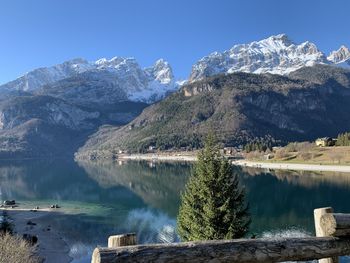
(55, 206)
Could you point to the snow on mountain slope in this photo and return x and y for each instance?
(160, 82)
(46, 75)
(161, 71)
(340, 57)
(276, 55)
(125, 76)
(107, 80)
(146, 85)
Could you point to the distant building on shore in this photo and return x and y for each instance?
(231, 151)
(228, 150)
(325, 141)
(152, 148)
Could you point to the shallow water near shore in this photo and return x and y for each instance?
(102, 199)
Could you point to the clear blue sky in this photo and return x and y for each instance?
(36, 33)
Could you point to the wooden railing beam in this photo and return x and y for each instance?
(332, 240)
(225, 251)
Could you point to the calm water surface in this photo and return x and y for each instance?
(101, 199)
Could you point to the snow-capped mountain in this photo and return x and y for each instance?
(161, 71)
(46, 75)
(341, 56)
(124, 74)
(276, 55)
(160, 81)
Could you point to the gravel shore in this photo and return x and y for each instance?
(294, 166)
(51, 245)
(279, 166)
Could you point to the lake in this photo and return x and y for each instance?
(101, 199)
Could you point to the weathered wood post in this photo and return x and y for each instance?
(318, 214)
(115, 242)
(122, 240)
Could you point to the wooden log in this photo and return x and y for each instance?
(318, 213)
(122, 240)
(228, 251)
(337, 225)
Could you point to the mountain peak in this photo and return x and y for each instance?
(282, 38)
(114, 62)
(161, 61)
(161, 71)
(340, 56)
(276, 54)
(343, 47)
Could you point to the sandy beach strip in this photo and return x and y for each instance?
(246, 163)
(158, 157)
(294, 166)
(51, 245)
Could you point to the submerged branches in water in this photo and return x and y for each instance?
(151, 226)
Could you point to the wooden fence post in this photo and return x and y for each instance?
(318, 213)
(115, 242)
(122, 240)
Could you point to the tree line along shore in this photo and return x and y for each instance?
(324, 154)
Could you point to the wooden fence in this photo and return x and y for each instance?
(332, 240)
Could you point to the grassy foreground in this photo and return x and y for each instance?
(13, 249)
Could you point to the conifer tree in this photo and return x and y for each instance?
(213, 204)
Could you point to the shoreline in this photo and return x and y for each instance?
(293, 166)
(158, 157)
(243, 163)
(51, 245)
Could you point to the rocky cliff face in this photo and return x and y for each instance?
(42, 126)
(239, 107)
(276, 55)
(54, 111)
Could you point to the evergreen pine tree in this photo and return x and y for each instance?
(213, 204)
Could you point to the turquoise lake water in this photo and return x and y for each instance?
(101, 199)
